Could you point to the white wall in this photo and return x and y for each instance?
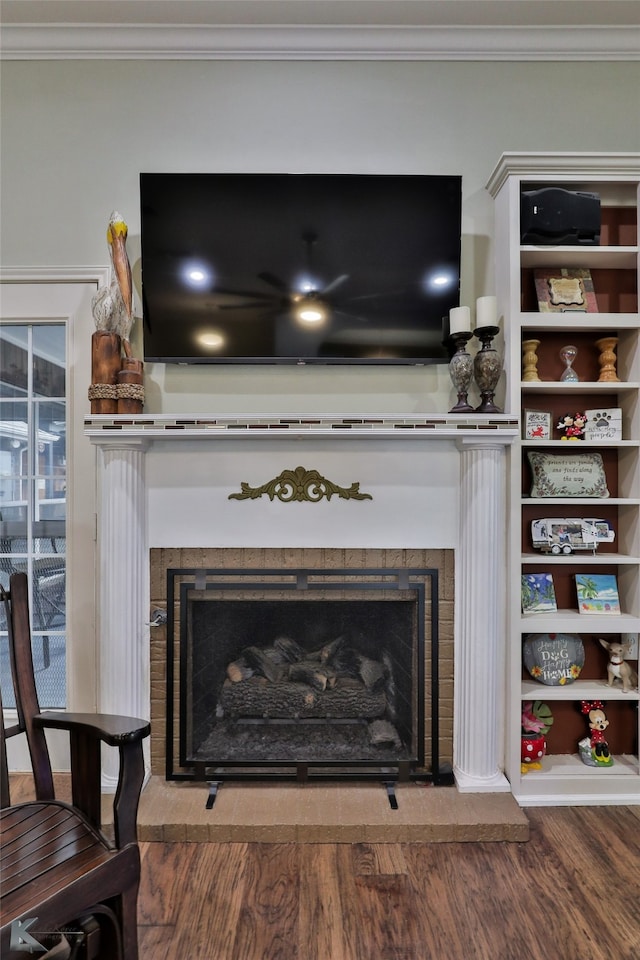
(414, 486)
(75, 136)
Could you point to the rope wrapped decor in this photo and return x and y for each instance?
(103, 391)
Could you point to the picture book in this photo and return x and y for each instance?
(597, 593)
(538, 593)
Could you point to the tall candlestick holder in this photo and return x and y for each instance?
(530, 361)
(487, 367)
(607, 360)
(461, 371)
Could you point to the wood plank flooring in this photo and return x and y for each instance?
(572, 892)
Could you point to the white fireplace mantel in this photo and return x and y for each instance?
(480, 641)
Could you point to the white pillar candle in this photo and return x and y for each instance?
(486, 312)
(459, 320)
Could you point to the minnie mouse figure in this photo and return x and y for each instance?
(594, 749)
(572, 425)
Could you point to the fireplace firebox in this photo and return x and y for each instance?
(302, 674)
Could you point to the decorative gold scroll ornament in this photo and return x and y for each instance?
(300, 484)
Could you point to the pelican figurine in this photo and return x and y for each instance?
(104, 310)
(122, 290)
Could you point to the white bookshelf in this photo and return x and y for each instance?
(614, 264)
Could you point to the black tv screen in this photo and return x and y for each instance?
(299, 268)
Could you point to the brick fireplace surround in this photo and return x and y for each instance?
(295, 559)
(131, 665)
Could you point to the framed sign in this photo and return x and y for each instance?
(537, 425)
(562, 290)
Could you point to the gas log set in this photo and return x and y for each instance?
(305, 674)
(335, 683)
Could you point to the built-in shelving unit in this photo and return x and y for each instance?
(614, 266)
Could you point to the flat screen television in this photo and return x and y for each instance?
(299, 268)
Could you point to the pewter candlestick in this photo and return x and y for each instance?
(461, 371)
(487, 368)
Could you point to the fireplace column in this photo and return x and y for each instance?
(123, 588)
(479, 663)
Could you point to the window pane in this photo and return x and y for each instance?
(49, 538)
(51, 460)
(14, 442)
(33, 489)
(49, 360)
(49, 581)
(14, 358)
(49, 663)
(6, 687)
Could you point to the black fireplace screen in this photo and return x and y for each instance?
(302, 673)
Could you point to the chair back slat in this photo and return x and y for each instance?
(5, 795)
(22, 674)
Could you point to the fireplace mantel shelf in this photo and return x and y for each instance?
(481, 441)
(497, 428)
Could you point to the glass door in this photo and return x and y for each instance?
(33, 492)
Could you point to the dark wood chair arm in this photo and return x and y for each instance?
(111, 729)
(86, 732)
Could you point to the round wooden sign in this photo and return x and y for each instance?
(554, 658)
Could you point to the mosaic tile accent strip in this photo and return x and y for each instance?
(163, 426)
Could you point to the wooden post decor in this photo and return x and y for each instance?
(130, 386)
(116, 380)
(105, 367)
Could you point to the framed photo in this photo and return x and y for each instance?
(597, 593)
(564, 290)
(538, 593)
(537, 425)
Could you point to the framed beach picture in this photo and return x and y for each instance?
(597, 593)
(538, 593)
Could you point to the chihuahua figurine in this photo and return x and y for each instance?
(618, 668)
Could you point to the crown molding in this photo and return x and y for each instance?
(99, 275)
(609, 166)
(316, 42)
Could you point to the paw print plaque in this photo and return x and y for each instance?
(604, 424)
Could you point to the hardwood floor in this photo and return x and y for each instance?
(571, 893)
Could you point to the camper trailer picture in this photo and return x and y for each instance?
(569, 534)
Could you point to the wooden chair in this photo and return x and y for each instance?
(56, 863)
